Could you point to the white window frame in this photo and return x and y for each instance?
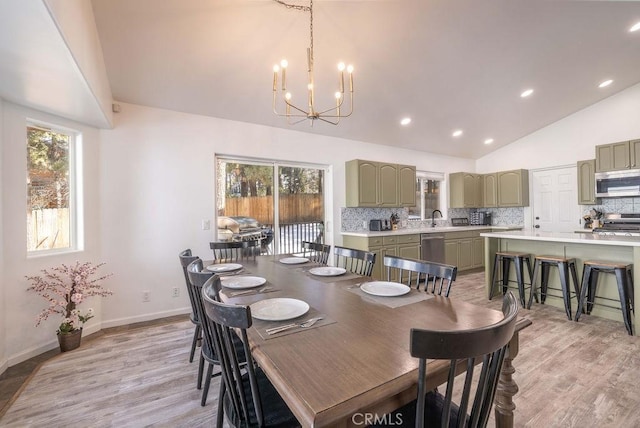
(436, 176)
(76, 221)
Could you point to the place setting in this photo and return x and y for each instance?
(227, 269)
(389, 293)
(282, 316)
(330, 273)
(245, 285)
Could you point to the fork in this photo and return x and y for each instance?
(259, 290)
(304, 324)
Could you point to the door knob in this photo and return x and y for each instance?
(537, 218)
(537, 226)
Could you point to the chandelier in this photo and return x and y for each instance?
(295, 114)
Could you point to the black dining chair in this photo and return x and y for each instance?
(359, 262)
(316, 252)
(198, 278)
(485, 346)
(185, 260)
(234, 251)
(436, 278)
(247, 397)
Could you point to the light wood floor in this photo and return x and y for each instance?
(570, 375)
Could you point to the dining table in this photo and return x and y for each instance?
(353, 365)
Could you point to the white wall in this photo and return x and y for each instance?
(157, 185)
(3, 306)
(573, 138)
(21, 339)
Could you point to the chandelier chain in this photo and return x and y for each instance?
(304, 9)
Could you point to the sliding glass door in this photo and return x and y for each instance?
(286, 199)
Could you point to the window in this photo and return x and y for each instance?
(50, 189)
(428, 195)
(287, 200)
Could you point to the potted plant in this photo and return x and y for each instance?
(65, 287)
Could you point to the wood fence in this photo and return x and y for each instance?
(48, 228)
(297, 208)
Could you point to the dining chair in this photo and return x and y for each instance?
(359, 262)
(247, 397)
(198, 277)
(316, 252)
(485, 346)
(232, 251)
(185, 260)
(436, 277)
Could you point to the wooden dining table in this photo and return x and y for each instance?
(357, 364)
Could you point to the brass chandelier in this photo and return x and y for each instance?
(295, 114)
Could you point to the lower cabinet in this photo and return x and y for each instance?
(406, 246)
(464, 249)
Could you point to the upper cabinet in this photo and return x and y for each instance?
(618, 156)
(587, 182)
(465, 190)
(500, 189)
(377, 184)
(490, 190)
(513, 188)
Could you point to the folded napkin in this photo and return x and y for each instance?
(261, 325)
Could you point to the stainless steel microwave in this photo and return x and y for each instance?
(613, 184)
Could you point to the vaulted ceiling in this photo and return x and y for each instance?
(447, 64)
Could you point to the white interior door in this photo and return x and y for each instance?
(555, 200)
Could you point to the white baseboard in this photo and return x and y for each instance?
(145, 317)
(37, 350)
(32, 352)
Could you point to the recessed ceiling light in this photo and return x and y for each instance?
(457, 133)
(488, 141)
(405, 121)
(526, 93)
(605, 83)
(636, 27)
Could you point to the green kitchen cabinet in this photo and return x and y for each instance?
(464, 249)
(513, 188)
(618, 156)
(406, 246)
(490, 194)
(406, 186)
(586, 182)
(377, 184)
(465, 190)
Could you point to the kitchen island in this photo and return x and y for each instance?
(582, 247)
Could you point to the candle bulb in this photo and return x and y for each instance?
(341, 69)
(283, 64)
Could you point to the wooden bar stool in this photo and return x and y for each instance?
(564, 265)
(505, 258)
(624, 281)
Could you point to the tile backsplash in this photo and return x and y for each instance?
(615, 205)
(357, 219)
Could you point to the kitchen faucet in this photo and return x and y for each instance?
(433, 217)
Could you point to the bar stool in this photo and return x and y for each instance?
(505, 258)
(624, 281)
(564, 265)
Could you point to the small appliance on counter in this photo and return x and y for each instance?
(379, 225)
(460, 221)
(480, 218)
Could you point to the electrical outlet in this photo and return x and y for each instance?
(364, 224)
(175, 292)
(146, 296)
(206, 225)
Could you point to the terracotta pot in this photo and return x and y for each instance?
(70, 341)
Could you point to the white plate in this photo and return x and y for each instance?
(384, 288)
(224, 267)
(278, 309)
(294, 260)
(243, 281)
(327, 271)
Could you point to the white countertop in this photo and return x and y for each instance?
(569, 237)
(413, 231)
